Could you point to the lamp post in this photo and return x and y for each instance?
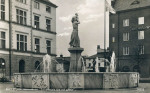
(3, 64)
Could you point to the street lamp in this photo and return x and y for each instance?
(3, 64)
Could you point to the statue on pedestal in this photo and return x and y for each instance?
(75, 41)
(75, 49)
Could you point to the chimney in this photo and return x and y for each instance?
(61, 55)
(113, 3)
(98, 49)
(107, 49)
(98, 46)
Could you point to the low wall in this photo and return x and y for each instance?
(76, 80)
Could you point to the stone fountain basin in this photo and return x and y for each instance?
(76, 80)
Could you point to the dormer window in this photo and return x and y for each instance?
(135, 2)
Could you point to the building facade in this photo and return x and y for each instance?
(129, 35)
(27, 33)
(99, 58)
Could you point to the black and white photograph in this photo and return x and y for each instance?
(74, 46)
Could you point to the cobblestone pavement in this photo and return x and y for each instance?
(8, 88)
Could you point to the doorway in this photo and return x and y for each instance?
(21, 66)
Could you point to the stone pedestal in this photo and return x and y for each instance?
(75, 53)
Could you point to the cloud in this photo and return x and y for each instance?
(92, 17)
(67, 18)
(67, 28)
(88, 21)
(89, 7)
(64, 34)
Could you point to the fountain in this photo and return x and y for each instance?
(77, 78)
(113, 63)
(96, 66)
(83, 65)
(47, 63)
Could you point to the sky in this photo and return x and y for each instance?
(91, 27)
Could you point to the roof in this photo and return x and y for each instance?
(65, 60)
(102, 50)
(48, 2)
(120, 5)
(100, 55)
(91, 57)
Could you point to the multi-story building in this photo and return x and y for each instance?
(101, 57)
(27, 33)
(129, 35)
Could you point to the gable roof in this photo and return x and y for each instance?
(130, 4)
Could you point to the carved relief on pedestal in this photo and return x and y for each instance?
(40, 81)
(76, 81)
(133, 80)
(110, 80)
(17, 80)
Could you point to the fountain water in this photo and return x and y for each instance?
(47, 64)
(81, 63)
(113, 63)
(96, 66)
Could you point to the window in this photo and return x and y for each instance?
(48, 43)
(48, 25)
(2, 65)
(136, 68)
(113, 39)
(140, 34)
(125, 69)
(141, 49)
(126, 22)
(125, 36)
(36, 5)
(36, 22)
(21, 66)
(48, 9)
(37, 45)
(113, 25)
(2, 9)
(125, 50)
(37, 66)
(2, 40)
(22, 1)
(141, 20)
(99, 64)
(21, 42)
(89, 64)
(135, 2)
(21, 16)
